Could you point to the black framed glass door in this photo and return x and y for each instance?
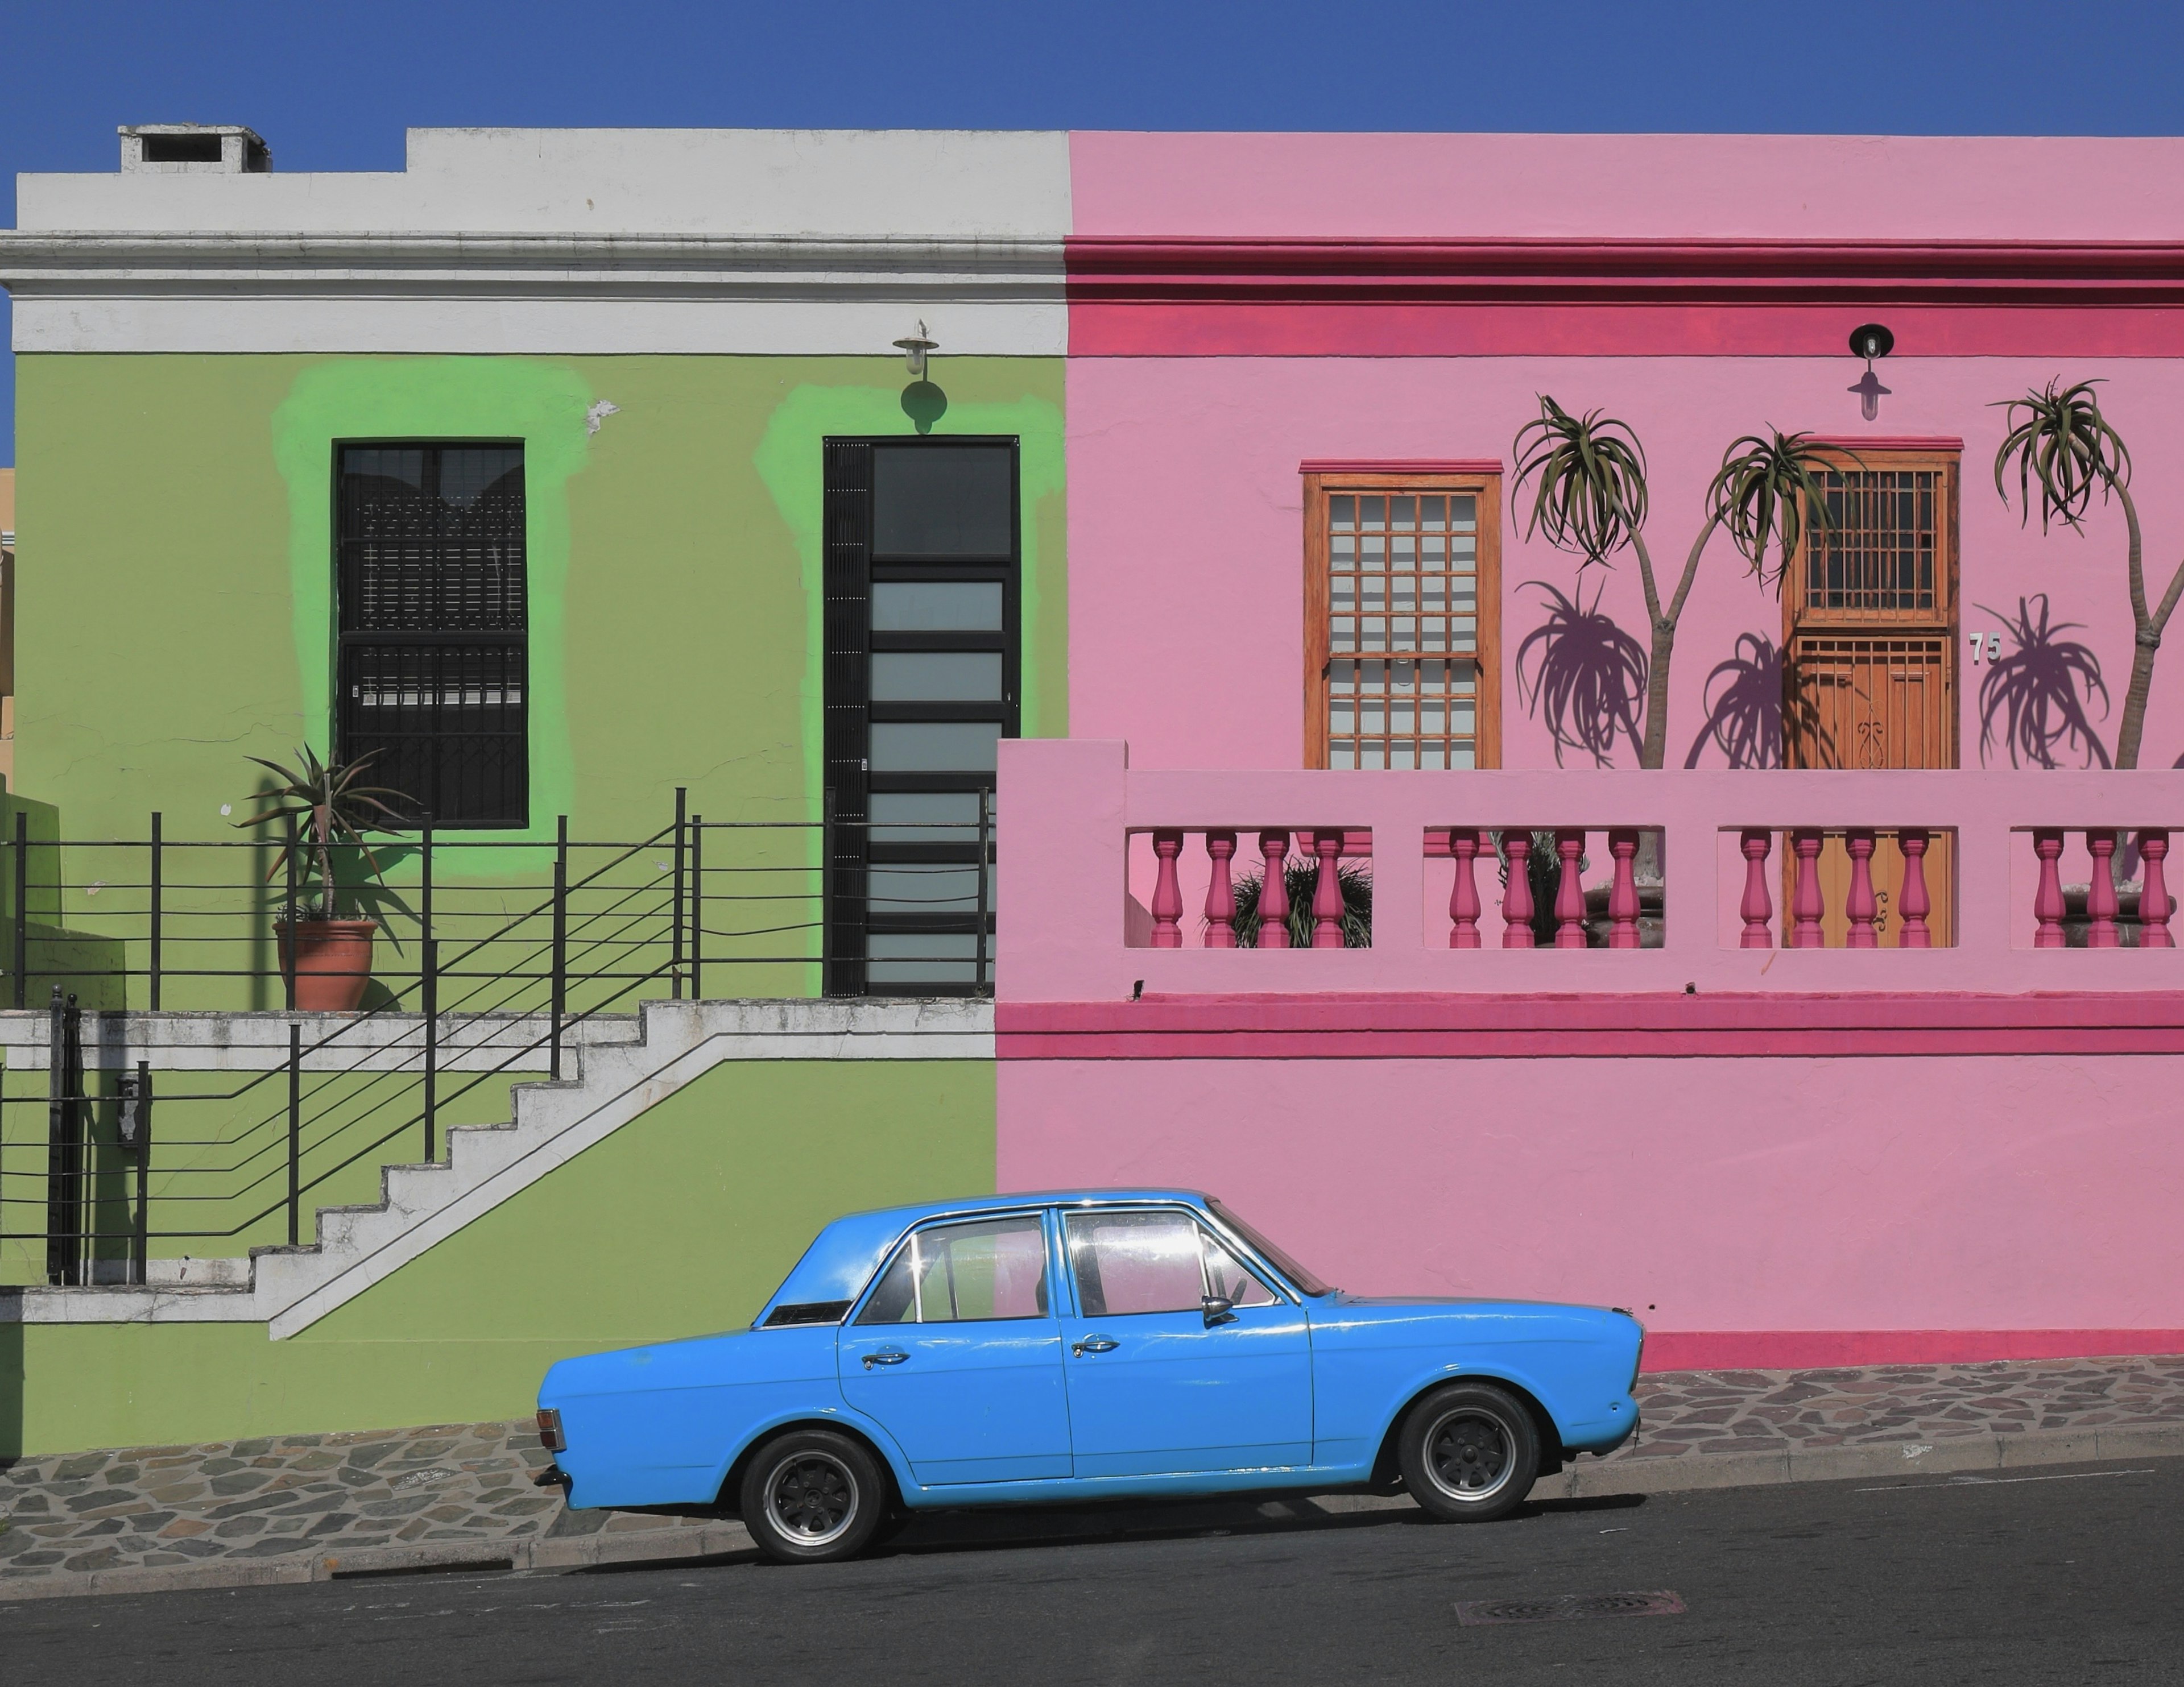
(923, 563)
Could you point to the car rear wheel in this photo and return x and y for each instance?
(1468, 1452)
(812, 1496)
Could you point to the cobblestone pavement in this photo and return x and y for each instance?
(287, 1496)
(1688, 1412)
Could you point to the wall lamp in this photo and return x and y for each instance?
(914, 348)
(1870, 341)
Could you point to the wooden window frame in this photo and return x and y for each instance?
(1397, 480)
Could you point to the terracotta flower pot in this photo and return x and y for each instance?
(330, 961)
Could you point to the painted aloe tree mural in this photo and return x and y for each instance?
(2059, 441)
(1591, 496)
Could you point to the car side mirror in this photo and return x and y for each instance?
(1219, 1310)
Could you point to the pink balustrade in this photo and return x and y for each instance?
(1999, 868)
(1276, 849)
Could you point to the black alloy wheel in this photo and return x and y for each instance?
(812, 1496)
(1469, 1452)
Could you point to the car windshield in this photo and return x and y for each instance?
(1305, 1281)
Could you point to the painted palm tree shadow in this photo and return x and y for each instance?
(2034, 700)
(1743, 700)
(1583, 675)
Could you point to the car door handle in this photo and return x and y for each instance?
(1093, 1343)
(886, 1355)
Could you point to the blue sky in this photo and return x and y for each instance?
(332, 87)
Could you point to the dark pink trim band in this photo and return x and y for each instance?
(1235, 297)
(1598, 1027)
(1820, 1349)
(1402, 465)
(1852, 441)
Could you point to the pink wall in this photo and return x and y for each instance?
(1816, 1157)
(1759, 186)
(1749, 1196)
(1185, 512)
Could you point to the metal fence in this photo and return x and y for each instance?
(490, 958)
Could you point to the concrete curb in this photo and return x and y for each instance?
(1644, 1472)
(579, 1552)
(1623, 1473)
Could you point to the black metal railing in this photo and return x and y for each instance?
(496, 955)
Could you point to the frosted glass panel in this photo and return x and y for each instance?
(936, 676)
(935, 746)
(936, 606)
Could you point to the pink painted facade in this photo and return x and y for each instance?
(1784, 1154)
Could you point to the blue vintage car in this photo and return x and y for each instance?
(1018, 1348)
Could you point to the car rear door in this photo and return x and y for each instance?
(1154, 1389)
(957, 1354)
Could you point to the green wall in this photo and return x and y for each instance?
(681, 1221)
(176, 559)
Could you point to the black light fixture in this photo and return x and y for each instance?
(1870, 339)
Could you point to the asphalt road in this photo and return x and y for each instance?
(2049, 1577)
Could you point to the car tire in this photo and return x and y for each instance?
(1469, 1452)
(812, 1497)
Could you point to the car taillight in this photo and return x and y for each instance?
(549, 1429)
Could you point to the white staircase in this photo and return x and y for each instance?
(622, 1070)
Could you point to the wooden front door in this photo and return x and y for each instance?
(1869, 649)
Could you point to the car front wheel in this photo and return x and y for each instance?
(812, 1496)
(1468, 1453)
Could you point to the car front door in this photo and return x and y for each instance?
(1163, 1379)
(957, 1354)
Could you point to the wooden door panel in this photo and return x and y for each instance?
(1887, 869)
(1870, 701)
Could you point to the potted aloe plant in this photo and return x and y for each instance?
(325, 939)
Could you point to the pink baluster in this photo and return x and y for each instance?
(1326, 895)
(1463, 899)
(2048, 898)
(1220, 898)
(1758, 906)
(1623, 891)
(1167, 893)
(1861, 905)
(1516, 888)
(1916, 904)
(1806, 904)
(2101, 895)
(2154, 906)
(1569, 892)
(1274, 891)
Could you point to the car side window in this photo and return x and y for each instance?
(1153, 1262)
(1225, 1276)
(954, 1273)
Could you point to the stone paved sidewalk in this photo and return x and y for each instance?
(295, 1500)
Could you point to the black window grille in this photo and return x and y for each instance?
(434, 679)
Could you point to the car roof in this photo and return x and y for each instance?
(843, 1257)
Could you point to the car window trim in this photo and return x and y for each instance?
(940, 1220)
(1270, 1279)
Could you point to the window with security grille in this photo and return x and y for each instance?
(1878, 553)
(433, 660)
(1401, 623)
